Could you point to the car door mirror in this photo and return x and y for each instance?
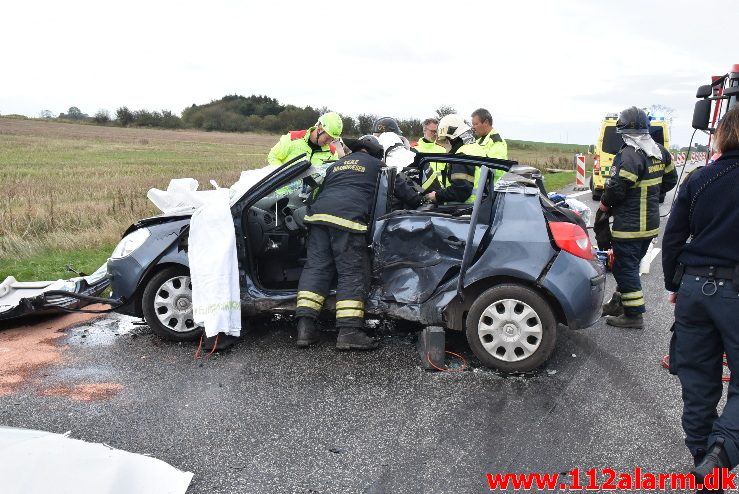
(591, 149)
(702, 114)
(704, 91)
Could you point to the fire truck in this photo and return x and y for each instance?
(715, 100)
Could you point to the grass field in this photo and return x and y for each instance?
(69, 190)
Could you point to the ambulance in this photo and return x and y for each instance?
(609, 142)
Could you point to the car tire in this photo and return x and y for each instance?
(511, 328)
(167, 305)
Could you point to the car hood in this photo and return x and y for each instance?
(158, 220)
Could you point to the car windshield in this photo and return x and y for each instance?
(612, 140)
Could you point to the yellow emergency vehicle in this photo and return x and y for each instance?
(609, 142)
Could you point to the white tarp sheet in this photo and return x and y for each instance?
(182, 194)
(38, 462)
(214, 268)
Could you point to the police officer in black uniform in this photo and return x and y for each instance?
(642, 169)
(700, 260)
(337, 243)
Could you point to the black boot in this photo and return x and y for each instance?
(700, 453)
(354, 339)
(219, 342)
(613, 307)
(715, 458)
(308, 334)
(635, 321)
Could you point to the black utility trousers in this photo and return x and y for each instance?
(332, 251)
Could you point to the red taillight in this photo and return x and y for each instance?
(571, 238)
(596, 164)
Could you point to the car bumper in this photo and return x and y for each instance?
(579, 285)
(25, 298)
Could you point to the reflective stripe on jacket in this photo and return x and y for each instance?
(489, 146)
(296, 143)
(633, 192)
(432, 172)
(346, 196)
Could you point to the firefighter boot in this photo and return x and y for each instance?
(635, 321)
(354, 339)
(308, 334)
(715, 458)
(613, 307)
(219, 342)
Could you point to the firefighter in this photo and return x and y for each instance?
(337, 243)
(389, 124)
(431, 176)
(488, 138)
(316, 142)
(456, 180)
(489, 143)
(641, 170)
(411, 181)
(427, 143)
(700, 262)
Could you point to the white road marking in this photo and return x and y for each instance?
(579, 193)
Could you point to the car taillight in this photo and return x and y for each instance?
(571, 238)
(596, 164)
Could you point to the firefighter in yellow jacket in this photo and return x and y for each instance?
(489, 143)
(489, 139)
(427, 144)
(315, 142)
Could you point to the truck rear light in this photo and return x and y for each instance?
(596, 164)
(571, 238)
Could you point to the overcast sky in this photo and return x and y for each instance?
(547, 70)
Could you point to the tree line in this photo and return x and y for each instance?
(235, 113)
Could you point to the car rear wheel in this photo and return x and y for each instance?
(167, 305)
(511, 328)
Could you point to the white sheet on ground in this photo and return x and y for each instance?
(214, 270)
(38, 462)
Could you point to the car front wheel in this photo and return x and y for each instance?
(167, 305)
(511, 328)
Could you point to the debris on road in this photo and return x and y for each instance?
(72, 465)
(21, 298)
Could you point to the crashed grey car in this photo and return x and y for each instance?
(506, 270)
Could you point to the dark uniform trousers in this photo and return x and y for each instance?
(330, 251)
(706, 326)
(628, 255)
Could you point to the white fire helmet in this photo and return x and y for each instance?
(452, 126)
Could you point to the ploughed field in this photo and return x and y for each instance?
(70, 190)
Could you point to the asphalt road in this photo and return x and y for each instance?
(268, 417)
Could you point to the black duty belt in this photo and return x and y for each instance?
(716, 272)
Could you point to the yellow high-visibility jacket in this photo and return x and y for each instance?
(295, 143)
(490, 146)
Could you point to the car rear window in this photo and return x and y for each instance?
(612, 141)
